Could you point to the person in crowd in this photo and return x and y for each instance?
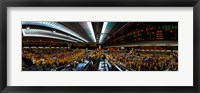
(80, 66)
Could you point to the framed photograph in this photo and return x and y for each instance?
(99, 46)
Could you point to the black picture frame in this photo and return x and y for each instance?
(100, 3)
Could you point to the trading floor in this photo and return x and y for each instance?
(63, 59)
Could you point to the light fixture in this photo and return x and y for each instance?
(107, 27)
(102, 36)
(91, 30)
(104, 27)
(28, 28)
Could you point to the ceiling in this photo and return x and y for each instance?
(79, 32)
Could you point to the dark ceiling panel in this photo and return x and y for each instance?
(97, 26)
(76, 27)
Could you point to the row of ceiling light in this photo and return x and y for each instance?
(48, 34)
(56, 26)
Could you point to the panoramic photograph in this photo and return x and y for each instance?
(99, 46)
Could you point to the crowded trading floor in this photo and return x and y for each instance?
(126, 46)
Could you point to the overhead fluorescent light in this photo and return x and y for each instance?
(107, 26)
(104, 27)
(27, 28)
(91, 30)
(102, 37)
